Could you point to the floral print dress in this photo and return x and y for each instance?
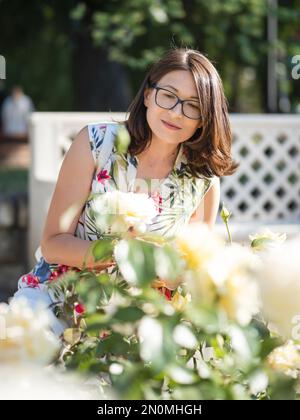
(177, 196)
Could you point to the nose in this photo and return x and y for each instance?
(177, 109)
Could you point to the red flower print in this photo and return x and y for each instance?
(157, 198)
(31, 280)
(102, 176)
(61, 269)
(54, 275)
(79, 309)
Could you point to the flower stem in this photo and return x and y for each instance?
(228, 232)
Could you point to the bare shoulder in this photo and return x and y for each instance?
(208, 209)
(212, 202)
(73, 186)
(80, 149)
(213, 193)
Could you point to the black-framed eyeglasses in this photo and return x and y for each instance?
(166, 99)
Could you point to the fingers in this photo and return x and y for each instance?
(105, 265)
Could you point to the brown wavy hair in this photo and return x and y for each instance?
(208, 151)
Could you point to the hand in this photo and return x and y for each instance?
(100, 266)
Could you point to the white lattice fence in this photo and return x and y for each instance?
(266, 187)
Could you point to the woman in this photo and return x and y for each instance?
(180, 138)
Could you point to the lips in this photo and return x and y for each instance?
(171, 126)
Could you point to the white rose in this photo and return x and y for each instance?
(118, 211)
(219, 273)
(286, 359)
(279, 283)
(233, 272)
(25, 334)
(197, 244)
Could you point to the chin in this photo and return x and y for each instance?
(165, 138)
(169, 141)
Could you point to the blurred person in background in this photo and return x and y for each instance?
(15, 112)
(3, 95)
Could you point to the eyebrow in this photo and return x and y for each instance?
(172, 87)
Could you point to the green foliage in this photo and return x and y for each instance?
(13, 180)
(139, 345)
(136, 32)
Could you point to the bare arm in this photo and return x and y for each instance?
(208, 209)
(58, 244)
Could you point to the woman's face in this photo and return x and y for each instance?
(181, 83)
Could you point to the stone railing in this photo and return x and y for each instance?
(265, 189)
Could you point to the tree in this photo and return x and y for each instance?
(91, 55)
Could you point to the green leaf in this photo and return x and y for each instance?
(72, 335)
(168, 264)
(78, 12)
(131, 314)
(97, 321)
(122, 140)
(115, 344)
(93, 293)
(102, 250)
(261, 243)
(268, 345)
(136, 261)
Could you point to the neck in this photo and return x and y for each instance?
(159, 153)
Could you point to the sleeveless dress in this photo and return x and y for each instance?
(177, 197)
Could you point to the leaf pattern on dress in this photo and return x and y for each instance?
(181, 192)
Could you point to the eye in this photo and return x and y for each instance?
(193, 106)
(168, 95)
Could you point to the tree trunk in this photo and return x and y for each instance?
(98, 83)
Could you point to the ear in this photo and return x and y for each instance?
(147, 92)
